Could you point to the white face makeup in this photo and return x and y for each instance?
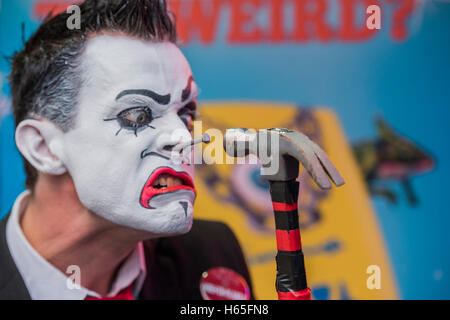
(138, 102)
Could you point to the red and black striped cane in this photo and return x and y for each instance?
(287, 149)
(291, 275)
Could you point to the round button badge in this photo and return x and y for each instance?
(223, 284)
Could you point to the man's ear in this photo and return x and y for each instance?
(39, 141)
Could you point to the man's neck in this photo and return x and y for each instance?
(65, 233)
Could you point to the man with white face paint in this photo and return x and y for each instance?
(99, 113)
(129, 177)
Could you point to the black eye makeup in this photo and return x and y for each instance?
(134, 119)
(187, 114)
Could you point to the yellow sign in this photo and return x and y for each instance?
(344, 250)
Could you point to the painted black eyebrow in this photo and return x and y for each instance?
(187, 91)
(148, 93)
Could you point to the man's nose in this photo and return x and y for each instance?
(173, 133)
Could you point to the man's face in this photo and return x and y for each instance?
(137, 103)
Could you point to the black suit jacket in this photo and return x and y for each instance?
(174, 264)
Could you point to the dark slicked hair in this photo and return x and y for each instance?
(45, 76)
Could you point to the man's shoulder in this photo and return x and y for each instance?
(205, 236)
(181, 260)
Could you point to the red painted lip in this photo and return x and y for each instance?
(149, 192)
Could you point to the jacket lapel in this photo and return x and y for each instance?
(12, 286)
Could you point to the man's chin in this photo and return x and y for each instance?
(180, 229)
(166, 219)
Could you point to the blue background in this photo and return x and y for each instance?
(406, 82)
